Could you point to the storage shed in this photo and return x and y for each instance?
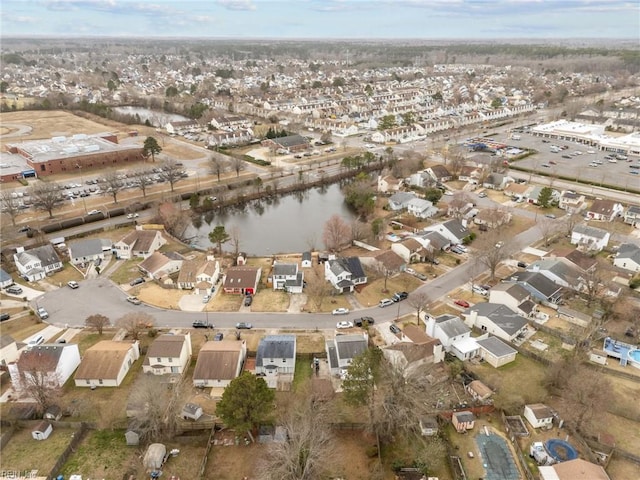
(42, 431)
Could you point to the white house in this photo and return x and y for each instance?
(169, 354)
(628, 257)
(139, 243)
(453, 230)
(571, 201)
(604, 210)
(106, 363)
(514, 296)
(344, 273)
(410, 250)
(307, 260)
(398, 201)
(219, 362)
(496, 319)
(632, 216)
(89, 250)
(36, 263)
(421, 208)
(453, 334)
(388, 183)
(287, 276)
(8, 350)
(495, 352)
(538, 415)
(343, 349)
(53, 363)
(159, 264)
(590, 238)
(276, 356)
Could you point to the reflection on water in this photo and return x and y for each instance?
(293, 223)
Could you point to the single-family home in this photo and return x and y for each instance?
(345, 273)
(560, 272)
(576, 259)
(42, 430)
(416, 350)
(577, 469)
(439, 173)
(571, 201)
(139, 243)
(242, 280)
(191, 411)
(307, 260)
(48, 363)
(514, 296)
(159, 264)
(632, 216)
(463, 421)
(496, 319)
(541, 287)
(410, 250)
(590, 238)
(628, 257)
(389, 183)
(496, 181)
(398, 201)
(495, 352)
(219, 362)
(420, 179)
(604, 210)
(453, 334)
(453, 230)
(199, 274)
(342, 349)
(384, 261)
(8, 350)
(538, 415)
(286, 276)
(421, 208)
(169, 354)
(478, 391)
(5, 279)
(492, 217)
(88, 250)
(276, 357)
(433, 242)
(36, 263)
(106, 363)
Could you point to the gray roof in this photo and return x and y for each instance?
(451, 325)
(350, 346)
(4, 276)
(436, 239)
(538, 282)
(557, 267)
(85, 248)
(46, 254)
(401, 197)
(517, 292)
(630, 251)
(291, 141)
(306, 256)
(496, 347)
(588, 231)
(332, 354)
(276, 346)
(456, 228)
(464, 417)
(501, 315)
(286, 269)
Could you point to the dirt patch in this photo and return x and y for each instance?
(234, 462)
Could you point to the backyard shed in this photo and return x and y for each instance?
(132, 437)
(191, 411)
(463, 421)
(42, 431)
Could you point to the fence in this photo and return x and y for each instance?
(524, 466)
(75, 441)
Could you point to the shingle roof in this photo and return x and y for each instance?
(103, 360)
(241, 277)
(218, 360)
(496, 347)
(501, 315)
(165, 346)
(87, 247)
(452, 326)
(45, 253)
(350, 346)
(588, 231)
(291, 141)
(537, 281)
(276, 346)
(46, 354)
(286, 269)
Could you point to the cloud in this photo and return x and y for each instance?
(111, 6)
(245, 5)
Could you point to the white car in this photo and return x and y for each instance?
(344, 324)
(385, 302)
(93, 212)
(480, 291)
(340, 311)
(73, 284)
(132, 215)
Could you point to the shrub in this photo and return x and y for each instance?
(634, 282)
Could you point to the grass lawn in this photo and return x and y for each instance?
(24, 453)
(168, 298)
(374, 291)
(60, 279)
(303, 372)
(21, 328)
(268, 300)
(126, 272)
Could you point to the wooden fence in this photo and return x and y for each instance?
(75, 441)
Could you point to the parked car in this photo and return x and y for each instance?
(394, 329)
(461, 303)
(522, 265)
(482, 195)
(344, 324)
(385, 302)
(202, 324)
(42, 313)
(218, 337)
(132, 215)
(35, 341)
(136, 281)
(73, 284)
(93, 212)
(4, 316)
(134, 300)
(422, 276)
(206, 298)
(244, 326)
(399, 296)
(479, 290)
(340, 311)
(248, 300)
(14, 290)
(25, 229)
(550, 215)
(363, 321)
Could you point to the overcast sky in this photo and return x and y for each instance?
(420, 19)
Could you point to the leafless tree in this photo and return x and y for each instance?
(97, 322)
(311, 242)
(174, 218)
(218, 166)
(570, 221)
(309, 443)
(359, 230)
(336, 233)
(458, 202)
(9, 205)
(38, 378)
(419, 300)
(585, 399)
(171, 172)
(134, 323)
(144, 181)
(237, 165)
(234, 238)
(113, 184)
(595, 282)
(457, 162)
(548, 229)
(45, 196)
(492, 249)
(317, 288)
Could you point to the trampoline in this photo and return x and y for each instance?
(560, 450)
(496, 458)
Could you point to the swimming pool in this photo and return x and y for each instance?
(634, 358)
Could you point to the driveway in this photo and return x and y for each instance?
(191, 303)
(28, 292)
(48, 332)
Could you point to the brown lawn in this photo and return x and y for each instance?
(22, 452)
(154, 294)
(268, 300)
(21, 328)
(374, 291)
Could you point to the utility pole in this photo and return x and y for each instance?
(84, 204)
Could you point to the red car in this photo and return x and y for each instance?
(462, 303)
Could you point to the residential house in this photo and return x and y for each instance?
(420, 179)
(463, 421)
(307, 260)
(169, 354)
(590, 238)
(495, 352)
(572, 202)
(577, 469)
(179, 127)
(439, 173)
(576, 259)
(421, 208)
(398, 201)
(289, 144)
(533, 195)
(433, 242)
(276, 357)
(342, 349)
(88, 250)
(478, 391)
(389, 183)
(560, 272)
(470, 174)
(345, 273)
(538, 415)
(36, 263)
(493, 217)
(191, 411)
(496, 319)
(416, 350)
(496, 181)
(242, 280)
(604, 210)
(8, 350)
(628, 257)
(207, 275)
(5, 279)
(159, 265)
(106, 363)
(541, 287)
(514, 296)
(453, 230)
(386, 261)
(453, 334)
(42, 430)
(287, 277)
(410, 250)
(53, 363)
(517, 191)
(139, 243)
(632, 216)
(219, 362)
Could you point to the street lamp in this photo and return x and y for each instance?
(84, 204)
